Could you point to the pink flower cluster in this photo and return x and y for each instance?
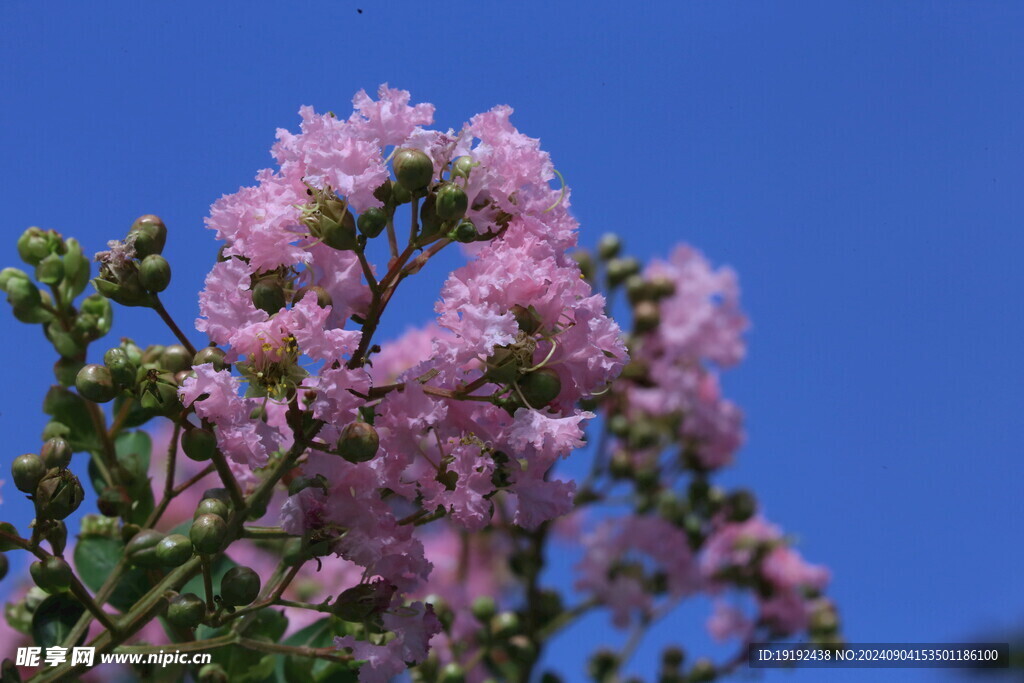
(701, 330)
(448, 441)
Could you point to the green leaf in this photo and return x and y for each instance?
(133, 450)
(71, 410)
(54, 619)
(137, 415)
(95, 559)
(267, 624)
(318, 634)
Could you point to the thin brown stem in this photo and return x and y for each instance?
(169, 321)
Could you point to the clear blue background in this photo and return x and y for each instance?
(859, 164)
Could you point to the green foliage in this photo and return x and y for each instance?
(54, 618)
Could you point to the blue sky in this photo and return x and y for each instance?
(858, 163)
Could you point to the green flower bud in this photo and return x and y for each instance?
(602, 664)
(240, 586)
(358, 442)
(128, 531)
(268, 295)
(528, 319)
(23, 293)
(58, 495)
(451, 202)
(8, 274)
(618, 425)
(199, 444)
(540, 387)
(703, 671)
(95, 383)
(372, 222)
(27, 471)
(338, 234)
(465, 232)
(52, 574)
(673, 657)
(400, 195)
(646, 317)
(413, 169)
(33, 246)
(430, 222)
(462, 167)
(210, 354)
(505, 625)
(619, 269)
(150, 235)
(323, 297)
(209, 534)
(741, 504)
(186, 611)
(662, 286)
(175, 358)
(56, 453)
(154, 273)
(173, 550)
(360, 602)
(122, 370)
(452, 673)
(586, 264)
(609, 246)
(141, 549)
(50, 270)
(484, 608)
(212, 506)
(5, 565)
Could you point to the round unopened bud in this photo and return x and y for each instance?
(268, 295)
(372, 222)
(141, 549)
(50, 270)
(339, 232)
(58, 494)
(199, 444)
(174, 550)
(52, 574)
(646, 316)
(413, 169)
(430, 222)
(462, 167)
(400, 195)
(742, 505)
(154, 273)
(186, 610)
(602, 664)
(323, 297)
(56, 452)
(609, 246)
(672, 657)
(240, 586)
(150, 235)
(540, 387)
(358, 442)
(210, 354)
(586, 264)
(452, 673)
(703, 671)
(484, 608)
(619, 269)
(122, 369)
(175, 358)
(23, 294)
(618, 425)
(208, 534)
(27, 471)
(33, 246)
(451, 202)
(465, 232)
(505, 625)
(662, 286)
(95, 383)
(212, 506)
